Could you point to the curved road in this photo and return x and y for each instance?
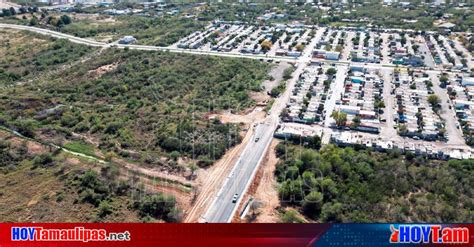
(94, 43)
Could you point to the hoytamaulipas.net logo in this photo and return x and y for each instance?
(73, 234)
(429, 234)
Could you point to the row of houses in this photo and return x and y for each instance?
(461, 93)
(292, 38)
(330, 45)
(361, 99)
(366, 47)
(345, 138)
(415, 115)
(196, 39)
(306, 105)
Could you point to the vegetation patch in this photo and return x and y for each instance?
(81, 147)
(345, 185)
(24, 55)
(63, 189)
(152, 107)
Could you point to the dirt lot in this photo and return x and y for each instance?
(210, 180)
(5, 4)
(257, 115)
(267, 192)
(277, 74)
(103, 69)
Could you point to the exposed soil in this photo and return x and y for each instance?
(103, 69)
(257, 115)
(277, 74)
(264, 191)
(33, 147)
(6, 5)
(260, 97)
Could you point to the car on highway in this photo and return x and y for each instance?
(257, 139)
(235, 197)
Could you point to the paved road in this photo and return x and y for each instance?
(223, 208)
(454, 134)
(89, 42)
(142, 47)
(337, 89)
(54, 34)
(469, 58)
(387, 129)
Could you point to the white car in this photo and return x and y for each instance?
(235, 197)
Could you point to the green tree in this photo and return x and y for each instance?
(33, 21)
(66, 20)
(444, 79)
(339, 117)
(287, 73)
(299, 47)
(104, 209)
(6, 12)
(332, 212)
(266, 45)
(331, 71)
(291, 216)
(12, 11)
(158, 206)
(313, 203)
(355, 122)
(433, 100)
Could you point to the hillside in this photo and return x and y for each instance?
(149, 107)
(42, 184)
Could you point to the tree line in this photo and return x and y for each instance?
(348, 185)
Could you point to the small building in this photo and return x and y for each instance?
(293, 54)
(467, 81)
(280, 52)
(332, 55)
(447, 26)
(127, 40)
(351, 110)
(367, 114)
(415, 61)
(355, 68)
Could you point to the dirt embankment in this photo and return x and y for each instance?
(264, 192)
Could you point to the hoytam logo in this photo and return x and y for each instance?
(429, 234)
(74, 234)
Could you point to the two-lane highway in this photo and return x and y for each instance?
(239, 179)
